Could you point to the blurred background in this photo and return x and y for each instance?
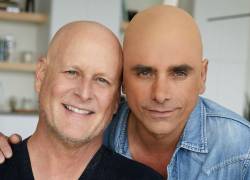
(26, 26)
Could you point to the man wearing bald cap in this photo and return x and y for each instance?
(78, 85)
(164, 123)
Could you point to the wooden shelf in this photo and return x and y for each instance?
(23, 17)
(18, 113)
(124, 25)
(18, 67)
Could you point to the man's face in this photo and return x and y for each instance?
(79, 92)
(162, 82)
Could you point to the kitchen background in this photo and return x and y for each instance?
(26, 26)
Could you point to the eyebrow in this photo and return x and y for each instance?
(180, 68)
(140, 67)
(78, 68)
(175, 68)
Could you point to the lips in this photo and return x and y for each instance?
(78, 110)
(161, 113)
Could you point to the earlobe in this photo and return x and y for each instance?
(40, 73)
(203, 75)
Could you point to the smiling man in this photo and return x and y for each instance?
(78, 84)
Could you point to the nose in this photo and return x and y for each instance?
(84, 90)
(161, 90)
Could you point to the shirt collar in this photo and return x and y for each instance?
(194, 136)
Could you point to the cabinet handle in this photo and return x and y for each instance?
(234, 16)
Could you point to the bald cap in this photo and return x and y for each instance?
(163, 23)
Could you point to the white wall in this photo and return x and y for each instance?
(22, 124)
(140, 5)
(105, 12)
(226, 45)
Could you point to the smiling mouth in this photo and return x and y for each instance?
(77, 110)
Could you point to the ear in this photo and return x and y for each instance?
(41, 68)
(203, 75)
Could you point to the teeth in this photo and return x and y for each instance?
(76, 110)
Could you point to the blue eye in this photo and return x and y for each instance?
(102, 80)
(71, 73)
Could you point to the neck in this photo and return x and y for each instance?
(150, 141)
(50, 156)
(154, 150)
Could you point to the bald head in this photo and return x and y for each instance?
(79, 41)
(164, 27)
(81, 33)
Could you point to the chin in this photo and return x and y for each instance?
(74, 140)
(160, 128)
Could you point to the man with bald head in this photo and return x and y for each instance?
(78, 85)
(164, 123)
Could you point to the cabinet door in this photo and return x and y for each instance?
(226, 44)
(218, 8)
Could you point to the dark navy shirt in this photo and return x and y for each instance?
(105, 165)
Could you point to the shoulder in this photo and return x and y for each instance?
(223, 118)
(227, 134)
(214, 109)
(124, 168)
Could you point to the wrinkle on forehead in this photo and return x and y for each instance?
(163, 27)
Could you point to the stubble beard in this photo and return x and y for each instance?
(66, 140)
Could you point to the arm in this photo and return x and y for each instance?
(5, 149)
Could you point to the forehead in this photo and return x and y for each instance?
(160, 55)
(89, 55)
(159, 43)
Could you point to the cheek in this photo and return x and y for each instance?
(135, 88)
(58, 89)
(187, 93)
(189, 87)
(60, 86)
